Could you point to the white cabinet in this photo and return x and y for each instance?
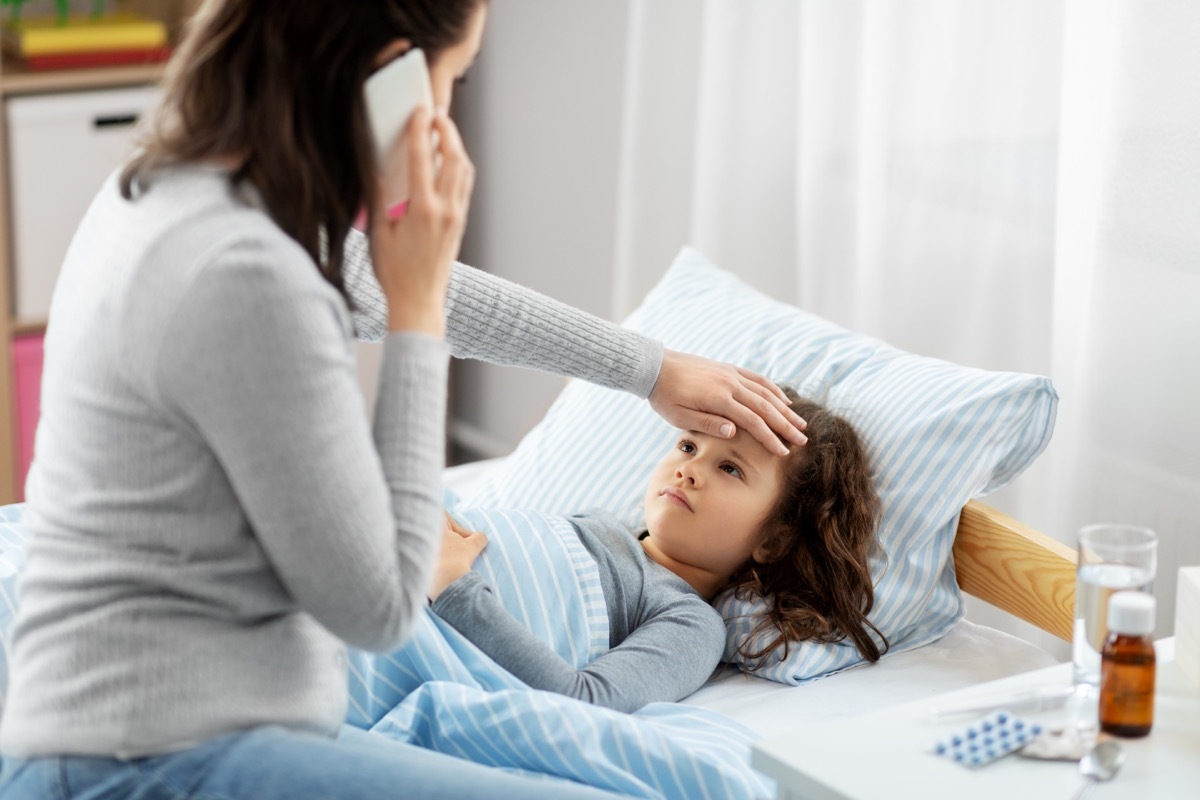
(61, 147)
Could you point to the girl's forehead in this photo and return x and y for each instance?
(743, 447)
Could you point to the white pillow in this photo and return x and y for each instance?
(938, 435)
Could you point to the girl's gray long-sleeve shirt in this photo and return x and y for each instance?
(665, 639)
(212, 513)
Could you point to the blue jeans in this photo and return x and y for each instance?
(267, 763)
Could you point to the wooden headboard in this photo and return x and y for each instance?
(1016, 568)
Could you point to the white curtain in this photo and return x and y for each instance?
(1009, 184)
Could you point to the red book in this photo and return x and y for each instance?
(27, 355)
(105, 58)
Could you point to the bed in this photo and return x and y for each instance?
(997, 559)
(940, 436)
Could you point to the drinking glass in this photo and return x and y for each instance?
(1112, 558)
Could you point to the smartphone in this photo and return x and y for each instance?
(392, 94)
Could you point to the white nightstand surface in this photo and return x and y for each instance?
(889, 753)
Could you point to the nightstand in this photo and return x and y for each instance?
(889, 754)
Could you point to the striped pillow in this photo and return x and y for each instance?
(938, 434)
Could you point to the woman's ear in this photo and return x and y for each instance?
(393, 50)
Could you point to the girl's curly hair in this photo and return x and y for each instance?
(814, 574)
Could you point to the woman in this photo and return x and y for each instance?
(213, 517)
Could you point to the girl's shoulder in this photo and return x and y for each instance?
(601, 519)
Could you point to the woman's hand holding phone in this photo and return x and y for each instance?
(413, 253)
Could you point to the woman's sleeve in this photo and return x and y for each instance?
(666, 658)
(258, 365)
(496, 320)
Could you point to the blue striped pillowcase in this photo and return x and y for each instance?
(938, 434)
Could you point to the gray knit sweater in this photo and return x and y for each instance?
(212, 513)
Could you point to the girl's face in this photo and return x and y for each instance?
(708, 499)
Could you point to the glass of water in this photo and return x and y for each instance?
(1112, 558)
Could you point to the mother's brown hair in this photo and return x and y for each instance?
(815, 573)
(277, 86)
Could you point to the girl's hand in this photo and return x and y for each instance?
(460, 548)
(412, 255)
(698, 394)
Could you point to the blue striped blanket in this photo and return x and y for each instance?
(441, 692)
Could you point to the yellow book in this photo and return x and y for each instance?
(120, 30)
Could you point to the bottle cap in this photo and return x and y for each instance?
(1131, 613)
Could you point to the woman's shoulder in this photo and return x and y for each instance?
(209, 228)
(203, 198)
(217, 259)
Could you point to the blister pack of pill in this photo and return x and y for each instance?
(992, 737)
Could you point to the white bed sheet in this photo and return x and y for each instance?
(969, 654)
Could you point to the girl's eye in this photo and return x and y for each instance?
(731, 469)
(686, 446)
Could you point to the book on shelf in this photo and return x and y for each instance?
(103, 58)
(32, 37)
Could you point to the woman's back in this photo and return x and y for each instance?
(144, 563)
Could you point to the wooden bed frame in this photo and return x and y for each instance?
(1016, 568)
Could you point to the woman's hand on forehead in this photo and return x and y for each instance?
(718, 399)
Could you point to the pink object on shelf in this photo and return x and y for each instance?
(27, 356)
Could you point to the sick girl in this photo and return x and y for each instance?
(719, 514)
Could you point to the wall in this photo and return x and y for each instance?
(540, 115)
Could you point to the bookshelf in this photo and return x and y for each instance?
(16, 80)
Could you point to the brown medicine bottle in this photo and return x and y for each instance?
(1127, 666)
